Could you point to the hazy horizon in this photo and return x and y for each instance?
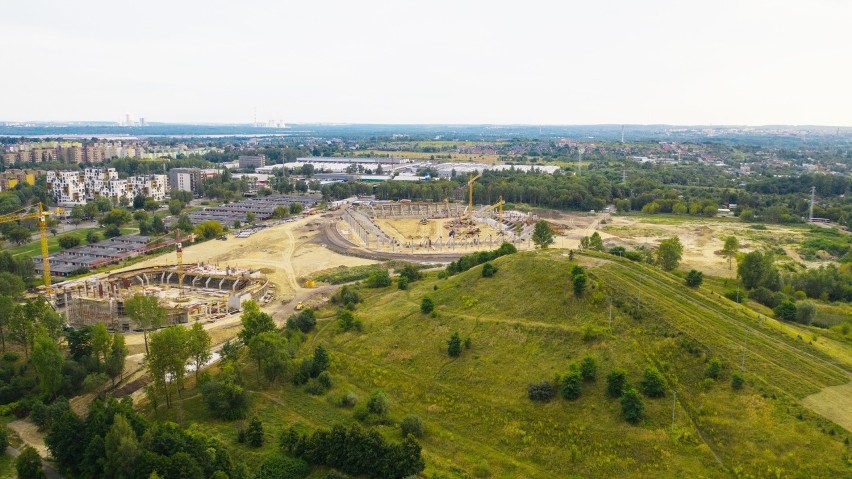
(750, 63)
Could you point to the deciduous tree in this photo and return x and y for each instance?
(146, 312)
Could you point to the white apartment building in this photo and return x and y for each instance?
(69, 188)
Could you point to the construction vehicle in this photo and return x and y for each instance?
(310, 283)
(40, 215)
(300, 306)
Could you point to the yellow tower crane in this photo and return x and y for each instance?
(179, 254)
(40, 215)
(470, 193)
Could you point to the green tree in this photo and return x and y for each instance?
(378, 279)
(254, 322)
(402, 283)
(78, 214)
(542, 234)
(146, 312)
(115, 362)
(616, 381)
(596, 242)
(694, 278)
(28, 464)
(589, 368)
(11, 284)
(199, 347)
(786, 310)
(7, 310)
(209, 229)
(571, 384)
(653, 384)
(167, 359)
(714, 368)
(92, 237)
(18, 234)
(757, 269)
(737, 381)
(488, 270)
(412, 425)
(270, 351)
(579, 281)
(101, 342)
(296, 208)
(47, 361)
(175, 206)
(427, 305)
(805, 312)
(251, 218)
(184, 223)
(68, 241)
(320, 361)
(254, 433)
(225, 396)
(378, 404)
(730, 249)
(632, 407)
(347, 321)
(454, 346)
(280, 212)
(117, 217)
(121, 449)
(669, 253)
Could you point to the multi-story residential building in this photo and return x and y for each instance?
(185, 179)
(251, 161)
(12, 178)
(74, 187)
(66, 187)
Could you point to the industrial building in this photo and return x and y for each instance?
(262, 207)
(102, 253)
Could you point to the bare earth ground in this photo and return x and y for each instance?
(28, 432)
(834, 403)
(284, 253)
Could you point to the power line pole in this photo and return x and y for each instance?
(811, 210)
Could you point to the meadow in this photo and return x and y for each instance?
(525, 325)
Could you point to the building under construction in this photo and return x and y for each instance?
(196, 293)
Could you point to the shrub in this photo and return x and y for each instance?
(378, 279)
(412, 425)
(616, 380)
(225, 398)
(28, 464)
(4, 438)
(279, 466)
(631, 406)
(737, 381)
(714, 369)
(786, 310)
(348, 296)
(694, 278)
(68, 241)
(254, 433)
(589, 368)
(488, 270)
(454, 346)
(571, 385)
(653, 384)
(468, 343)
(378, 404)
(348, 399)
(411, 273)
(764, 296)
(305, 321)
(347, 321)
(427, 305)
(542, 391)
(805, 312)
(735, 295)
(316, 387)
(579, 282)
(402, 283)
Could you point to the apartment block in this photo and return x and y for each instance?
(70, 188)
(246, 161)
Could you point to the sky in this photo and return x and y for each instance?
(744, 62)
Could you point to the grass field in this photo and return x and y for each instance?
(7, 467)
(526, 326)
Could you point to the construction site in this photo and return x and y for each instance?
(200, 292)
(426, 227)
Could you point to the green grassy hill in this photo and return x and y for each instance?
(526, 326)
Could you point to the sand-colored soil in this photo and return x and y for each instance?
(406, 229)
(28, 432)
